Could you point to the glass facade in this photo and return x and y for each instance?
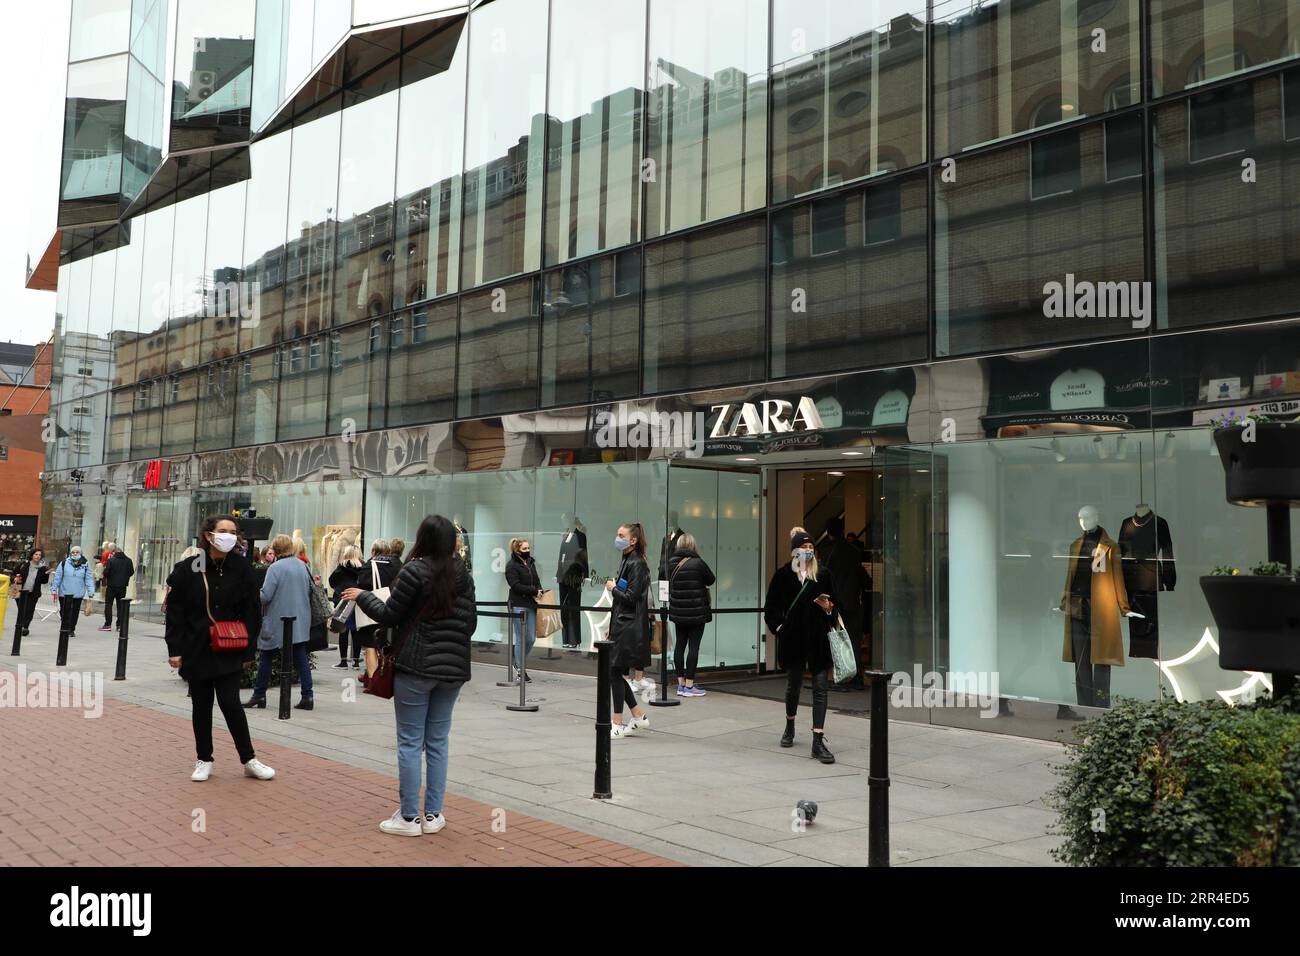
(1003, 263)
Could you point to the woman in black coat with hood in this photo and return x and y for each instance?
(432, 614)
(629, 622)
(215, 585)
(525, 587)
(690, 610)
(798, 611)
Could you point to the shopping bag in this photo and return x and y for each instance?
(87, 606)
(382, 593)
(548, 619)
(338, 622)
(844, 663)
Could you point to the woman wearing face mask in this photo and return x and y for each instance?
(216, 585)
(72, 583)
(29, 583)
(798, 611)
(525, 587)
(629, 618)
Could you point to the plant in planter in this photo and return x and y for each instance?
(1163, 783)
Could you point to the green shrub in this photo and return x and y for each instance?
(1183, 784)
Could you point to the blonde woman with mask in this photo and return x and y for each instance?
(799, 609)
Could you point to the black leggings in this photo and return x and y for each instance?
(620, 691)
(688, 636)
(343, 645)
(820, 686)
(226, 691)
(26, 607)
(69, 610)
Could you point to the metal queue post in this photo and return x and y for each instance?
(123, 629)
(603, 789)
(663, 700)
(521, 669)
(286, 668)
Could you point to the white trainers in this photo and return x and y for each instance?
(397, 826)
(432, 823)
(619, 731)
(202, 770)
(255, 768)
(641, 723)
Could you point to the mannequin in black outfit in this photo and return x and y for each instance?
(1147, 556)
(569, 575)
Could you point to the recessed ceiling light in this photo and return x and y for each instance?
(853, 454)
(746, 459)
(923, 471)
(840, 473)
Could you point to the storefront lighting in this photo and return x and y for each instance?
(853, 454)
(837, 474)
(746, 459)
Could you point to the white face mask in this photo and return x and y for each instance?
(799, 557)
(224, 542)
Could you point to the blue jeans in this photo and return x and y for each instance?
(525, 619)
(423, 708)
(266, 658)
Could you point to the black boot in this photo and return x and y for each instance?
(307, 703)
(787, 738)
(819, 749)
(255, 701)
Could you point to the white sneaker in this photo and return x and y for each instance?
(202, 770)
(432, 823)
(400, 827)
(255, 768)
(641, 723)
(618, 731)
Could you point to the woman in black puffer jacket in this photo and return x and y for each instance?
(431, 613)
(689, 608)
(525, 587)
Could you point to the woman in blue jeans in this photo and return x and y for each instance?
(286, 592)
(525, 588)
(430, 611)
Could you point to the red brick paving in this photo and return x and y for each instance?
(115, 791)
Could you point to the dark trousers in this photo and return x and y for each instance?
(226, 691)
(794, 684)
(349, 632)
(266, 660)
(686, 655)
(620, 690)
(570, 617)
(69, 611)
(110, 598)
(1144, 635)
(1091, 681)
(26, 608)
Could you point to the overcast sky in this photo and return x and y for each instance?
(33, 72)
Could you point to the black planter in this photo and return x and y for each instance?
(256, 529)
(1264, 471)
(1258, 619)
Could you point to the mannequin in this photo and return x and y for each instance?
(669, 544)
(1093, 600)
(570, 573)
(1147, 556)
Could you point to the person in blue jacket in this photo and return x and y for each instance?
(285, 593)
(72, 582)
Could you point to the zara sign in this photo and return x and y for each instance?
(772, 416)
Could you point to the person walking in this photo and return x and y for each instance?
(216, 585)
(395, 549)
(286, 592)
(341, 578)
(524, 586)
(629, 622)
(380, 572)
(73, 582)
(432, 614)
(29, 581)
(690, 609)
(798, 610)
(118, 571)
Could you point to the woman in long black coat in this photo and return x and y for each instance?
(798, 610)
(382, 568)
(629, 621)
(215, 585)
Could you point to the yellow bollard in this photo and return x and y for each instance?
(4, 600)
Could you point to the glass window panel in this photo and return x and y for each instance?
(331, 22)
(270, 59)
(99, 27)
(430, 154)
(707, 121)
(118, 441)
(143, 139)
(264, 247)
(257, 388)
(497, 357)
(363, 272)
(849, 290)
(422, 374)
(146, 423)
(590, 330)
(188, 297)
(593, 185)
(704, 312)
(213, 71)
(848, 91)
(358, 373)
(216, 388)
(180, 407)
(93, 120)
(126, 304)
(309, 235)
(98, 361)
(155, 294)
(227, 298)
(506, 108)
(1200, 41)
(1123, 147)
(304, 389)
(998, 251)
(1225, 249)
(997, 65)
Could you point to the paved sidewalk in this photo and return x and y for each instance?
(708, 785)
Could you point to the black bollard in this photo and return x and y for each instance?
(521, 672)
(662, 700)
(878, 774)
(65, 635)
(123, 628)
(603, 709)
(18, 628)
(286, 668)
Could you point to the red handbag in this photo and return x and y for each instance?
(223, 636)
(380, 683)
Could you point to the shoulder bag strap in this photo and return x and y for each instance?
(796, 598)
(207, 596)
(374, 576)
